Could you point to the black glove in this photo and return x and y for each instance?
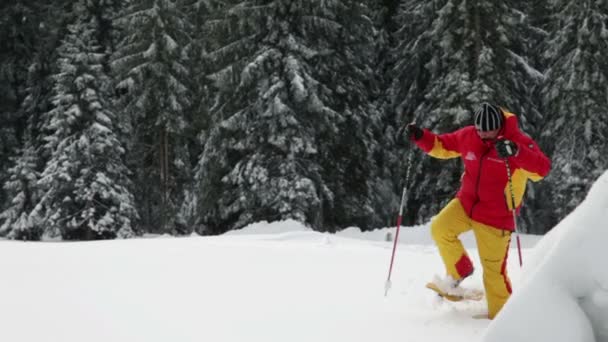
(413, 132)
(506, 148)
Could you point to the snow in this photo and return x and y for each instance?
(296, 81)
(565, 292)
(268, 282)
(281, 281)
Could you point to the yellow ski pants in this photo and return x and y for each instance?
(493, 246)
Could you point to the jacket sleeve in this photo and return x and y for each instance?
(531, 158)
(442, 146)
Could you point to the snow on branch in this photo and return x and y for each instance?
(257, 64)
(530, 70)
(244, 11)
(328, 26)
(227, 52)
(296, 80)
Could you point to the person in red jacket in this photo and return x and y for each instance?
(483, 202)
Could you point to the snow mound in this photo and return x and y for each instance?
(267, 228)
(565, 293)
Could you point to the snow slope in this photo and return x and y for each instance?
(267, 282)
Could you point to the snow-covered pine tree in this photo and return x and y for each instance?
(290, 91)
(34, 108)
(199, 12)
(22, 213)
(452, 55)
(85, 181)
(574, 98)
(390, 167)
(259, 157)
(9, 102)
(353, 158)
(30, 35)
(152, 66)
(19, 28)
(16, 222)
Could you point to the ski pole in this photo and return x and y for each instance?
(513, 210)
(387, 285)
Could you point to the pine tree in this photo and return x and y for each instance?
(152, 66)
(30, 29)
(452, 55)
(15, 44)
(17, 221)
(353, 158)
(199, 11)
(86, 189)
(291, 136)
(19, 31)
(391, 163)
(576, 132)
(30, 34)
(258, 162)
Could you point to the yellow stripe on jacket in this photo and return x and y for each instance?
(438, 151)
(520, 178)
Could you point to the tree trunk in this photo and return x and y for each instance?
(164, 174)
(476, 22)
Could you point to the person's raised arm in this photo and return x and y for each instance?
(443, 146)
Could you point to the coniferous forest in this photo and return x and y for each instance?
(125, 117)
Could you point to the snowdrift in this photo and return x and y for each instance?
(564, 293)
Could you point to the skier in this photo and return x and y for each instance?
(483, 202)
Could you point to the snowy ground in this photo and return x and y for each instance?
(269, 282)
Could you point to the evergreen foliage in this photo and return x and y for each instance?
(85, 184)
(152, 67)
(17, 44)
(574, 97)
(17, 220)
(32, 31)
(293, 135)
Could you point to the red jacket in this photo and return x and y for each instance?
(484, 192)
